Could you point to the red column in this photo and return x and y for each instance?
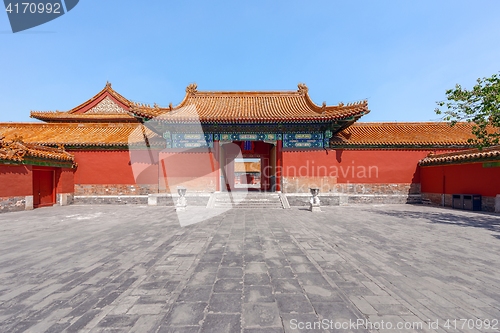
(279, 163)
(216, 153)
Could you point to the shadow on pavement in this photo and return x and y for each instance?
(481, 220)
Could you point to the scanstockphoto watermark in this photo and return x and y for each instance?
(358, 324)
(352, 171)
(26, 14)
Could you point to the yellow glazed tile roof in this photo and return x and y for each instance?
(272, 106)
(81, 135)
(18, 151)
(402, 134)
(469, 155)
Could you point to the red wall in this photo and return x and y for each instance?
(355, 166)
(183, 164)
(116, 167)
(16, 180)
(65, 180)
(469, 178)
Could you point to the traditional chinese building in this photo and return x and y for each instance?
(126, 151)
(33, 176)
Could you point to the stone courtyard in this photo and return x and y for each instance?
(132, 268)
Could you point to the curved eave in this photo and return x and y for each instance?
(30, 159)
(83, 119)
(407, 145)
(436, 162)
(460, 158)
(324, 119)
(79, 145)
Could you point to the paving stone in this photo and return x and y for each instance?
(221, 323)
(254, 258)
(203, 278)
(256, 279)
(336, 311)
(261, 315)
(211, 258)
(298, 259)
(281, 273)
(312, 279)
(181, 329)
(287, 286)
(293, 303)
(232, 261)
(134, 269)
(118, 320)
(255, 267)
(391, 309)
(277, 262)
(225, 303)
(230, 273)
(207, 267)
(185, 314)
(303, 268)
(258, 294)
(194, 293)
(147, 309)
(264, 330)
(322, 293)
(228, 286)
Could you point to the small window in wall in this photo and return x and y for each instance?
(247, 173)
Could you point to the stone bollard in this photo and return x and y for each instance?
(181, 201)
(314, 203)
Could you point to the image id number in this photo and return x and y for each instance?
(471, 324)
(34, 8)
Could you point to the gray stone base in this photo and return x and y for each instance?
(28, 202)
(302, 199)
(488, 204)
(14, 204)
(64, 199)
(161, 199)
(111, 200)
(166, 199)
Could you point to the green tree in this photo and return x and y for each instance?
(479, 106)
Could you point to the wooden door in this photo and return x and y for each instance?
(265, 175)
(43, 188)
(229, 174)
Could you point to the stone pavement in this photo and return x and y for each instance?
(134, 269)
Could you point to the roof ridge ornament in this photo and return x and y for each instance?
(302, 88)
(192, 89)
(108, 84)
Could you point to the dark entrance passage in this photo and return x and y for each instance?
(43, 188)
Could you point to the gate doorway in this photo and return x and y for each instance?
(249, 166)
(43, 188)
(247, 173)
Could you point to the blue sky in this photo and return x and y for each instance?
(400, 55)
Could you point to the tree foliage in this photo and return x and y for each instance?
(479, 106)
